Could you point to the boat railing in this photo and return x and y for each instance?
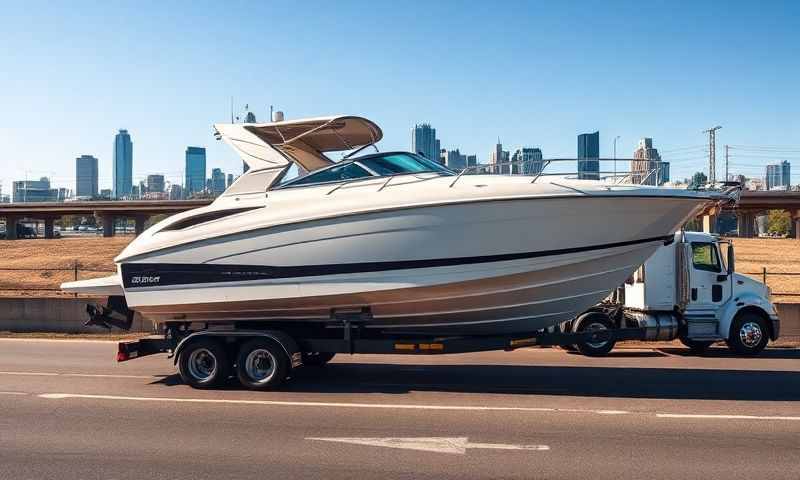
(536, 169)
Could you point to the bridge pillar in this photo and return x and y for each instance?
(11, 227)
(48, 227)
(745, 222)
(710, 223)
(794, 227)
(139, 224)
(108, 224)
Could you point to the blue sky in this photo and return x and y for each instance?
(531, 73)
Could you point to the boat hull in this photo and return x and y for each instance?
(486, 267)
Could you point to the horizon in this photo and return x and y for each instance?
(522, 73)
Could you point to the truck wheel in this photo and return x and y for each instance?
(203, 363)
(696, 347)
(262, 364)
(748, 335)
(595, 321)
(316, 359)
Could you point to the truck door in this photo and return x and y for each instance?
(709, 283)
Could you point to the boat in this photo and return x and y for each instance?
(410, 245)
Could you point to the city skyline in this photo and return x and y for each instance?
(579, 82)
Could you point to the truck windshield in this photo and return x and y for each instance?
(704, 256)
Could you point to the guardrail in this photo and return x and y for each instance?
(765, 275)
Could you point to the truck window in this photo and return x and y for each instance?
(704, 257)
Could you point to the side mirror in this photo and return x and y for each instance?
(731, 266)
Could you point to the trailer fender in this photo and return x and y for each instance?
(281, 338)
(751, 303)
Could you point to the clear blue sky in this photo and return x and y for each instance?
(531, 73)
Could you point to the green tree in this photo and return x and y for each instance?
(778, 222)
(698, 180)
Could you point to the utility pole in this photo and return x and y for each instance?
(726, 163)
(712, 153)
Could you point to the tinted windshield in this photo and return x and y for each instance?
(382, 164)
(398, 163)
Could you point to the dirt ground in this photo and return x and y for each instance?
(24, 264)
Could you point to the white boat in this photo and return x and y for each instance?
(407, 243)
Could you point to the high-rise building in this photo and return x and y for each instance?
(175, 192)
(155, 183)
(455, 160)
(528, 160)
(472, 160)
(86, 176)
(500, 159)
(36, 191)
(588, 155)
(425, 143)
(195, 171)
(123, 165)
(778, 176)
(647, 167)
(217, 181)
(230, 180)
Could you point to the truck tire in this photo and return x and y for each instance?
(595, 321)
(203, 363)
(262, 364)
(696, 347)
(316, 359)
(749, 334)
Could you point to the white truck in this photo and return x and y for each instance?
(688, 290)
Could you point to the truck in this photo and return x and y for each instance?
(687, 290)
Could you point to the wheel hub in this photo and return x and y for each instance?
(202, 364)
(750, 334)
(260, 365)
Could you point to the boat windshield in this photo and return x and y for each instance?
(376, 165)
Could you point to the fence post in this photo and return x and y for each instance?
(75, 273)
(764, 275)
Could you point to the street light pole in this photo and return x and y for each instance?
(615, 158)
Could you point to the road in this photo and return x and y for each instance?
(67, 410)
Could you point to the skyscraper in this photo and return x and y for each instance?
(778, 176)
(123, 165)
(155, 183)
(531, 160)
(229, 182)
(425, 143)
(455, 160)
(36, 191)
(588, 155)
(195, 171)
(647, 167)
(499, 157)
(217, 181)
(86, 176)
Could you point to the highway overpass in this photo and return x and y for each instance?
(107, 211)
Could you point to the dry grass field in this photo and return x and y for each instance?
(94, 257)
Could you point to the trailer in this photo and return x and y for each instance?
(683, 291)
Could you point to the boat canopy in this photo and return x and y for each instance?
(306, 140)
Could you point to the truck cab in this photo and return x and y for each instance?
(694, 279)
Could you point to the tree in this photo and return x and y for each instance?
(778, 222)
(698, 180)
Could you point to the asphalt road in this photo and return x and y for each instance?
(67, 410)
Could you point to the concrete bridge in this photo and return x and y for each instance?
(107, 211)
(754, 203)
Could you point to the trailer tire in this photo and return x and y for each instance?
(317, 359)
(749, 334)
(262, 364)
(595, 321)
(203, 363)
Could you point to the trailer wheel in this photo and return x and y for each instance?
(748, 335)
(591, 321)
(317, 359)
(696, 347)
(203, 363)
(262, 364)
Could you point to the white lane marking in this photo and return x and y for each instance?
(724, 417)
(87, 375)
(61, 340)
(456, 445)
(13, 393)
(401, 406)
